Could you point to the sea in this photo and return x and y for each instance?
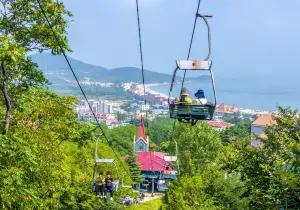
(257, 94)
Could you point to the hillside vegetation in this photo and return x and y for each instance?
(47, 156)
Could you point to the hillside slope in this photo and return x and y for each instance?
(56, 69)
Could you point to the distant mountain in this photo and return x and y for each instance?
(57, 71)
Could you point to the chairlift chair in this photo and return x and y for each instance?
(99, 161)
(162, 185)
(191, 113)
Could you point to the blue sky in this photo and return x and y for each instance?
(257, 37)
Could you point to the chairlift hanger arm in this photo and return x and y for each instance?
(192, 38)
(172, 84)
(205, 19)
(213, 86)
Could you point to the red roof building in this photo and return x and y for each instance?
(258, 127)
(154, 165)
(264, 120)
(226, 108)
(154, 161)
(141, 140)
(219, 124)
(141, 131)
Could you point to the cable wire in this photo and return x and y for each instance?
(143, 73)
(78, 83)
(183, 79)
(141, 57)
(192, 39)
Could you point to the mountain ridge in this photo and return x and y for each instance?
(54, 67)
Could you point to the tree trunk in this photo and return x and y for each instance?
(7, 100)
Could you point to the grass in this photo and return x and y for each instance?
(150, 205)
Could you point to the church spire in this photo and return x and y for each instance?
(141, 134)
(141, 141)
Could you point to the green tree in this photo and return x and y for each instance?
(42, 162)
(187, 193)
(24, 30)
(160, 130)
(210, 189)
(271, 172)
(32, 172)
(121, 139)
(207, 183)
(135, 169)
(197, 145)
(240, 130)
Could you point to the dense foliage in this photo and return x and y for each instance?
(24, 30)
(234, 175)
(47, 157)
(135, 169)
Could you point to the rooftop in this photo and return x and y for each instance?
(227, 108)
(219, 124)
(264, 120)
(153, 161)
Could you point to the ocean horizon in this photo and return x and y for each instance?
(239, 93)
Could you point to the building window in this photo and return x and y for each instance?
(140, 146)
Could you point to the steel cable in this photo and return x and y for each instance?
(78, 83)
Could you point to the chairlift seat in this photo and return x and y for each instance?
(170, 158)
(189, 112)
(162, 186)
(193, 65)
(98, 160)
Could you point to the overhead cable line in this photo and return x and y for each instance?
(192, 39)
(183, 79)
(141, 57)
(78, 83)
(143, 72)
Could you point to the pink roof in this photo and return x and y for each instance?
(152, 161)
(219, 124)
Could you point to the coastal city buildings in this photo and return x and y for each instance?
(103, 107)
(120, 112)
(152, 96)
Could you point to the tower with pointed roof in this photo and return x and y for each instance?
(141, 140)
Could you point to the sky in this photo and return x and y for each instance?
(257, 38)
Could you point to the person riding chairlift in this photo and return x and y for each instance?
(99, 184)
(184, 97)
(200, 97)
(109, 184)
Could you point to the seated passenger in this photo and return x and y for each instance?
(184, 97)
(109, 184)
(200, 97)
(99, 185)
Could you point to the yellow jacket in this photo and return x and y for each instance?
(187, 100)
